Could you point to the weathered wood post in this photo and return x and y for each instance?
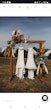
(11, 61)
(11, 66)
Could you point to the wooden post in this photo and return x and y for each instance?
(11, 66)
(40, 45)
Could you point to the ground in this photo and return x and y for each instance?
(25, 85)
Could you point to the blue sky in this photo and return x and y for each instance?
(38, 28)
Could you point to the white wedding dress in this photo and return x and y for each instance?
(20, 65)
(30, 64)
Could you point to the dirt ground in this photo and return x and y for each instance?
(25, 85)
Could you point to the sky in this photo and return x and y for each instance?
(37, 28)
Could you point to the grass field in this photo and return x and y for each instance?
(25, 85)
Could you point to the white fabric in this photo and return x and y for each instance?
(17, 73)
(41, 62)
(3, 49)
(21, 72)
(20, 65)
(47, 53)
(13, 32)
(20, 61)
(34, 52)
(38, 69)
(46, 69)
(17, 32)
(30, 64)
(13, 52)
(31, 74)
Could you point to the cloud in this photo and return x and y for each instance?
(38, 28)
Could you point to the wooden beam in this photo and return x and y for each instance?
(36, 41)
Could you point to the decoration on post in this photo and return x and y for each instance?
(43, 63)
(42, 69)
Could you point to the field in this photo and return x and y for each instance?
(24, 85)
